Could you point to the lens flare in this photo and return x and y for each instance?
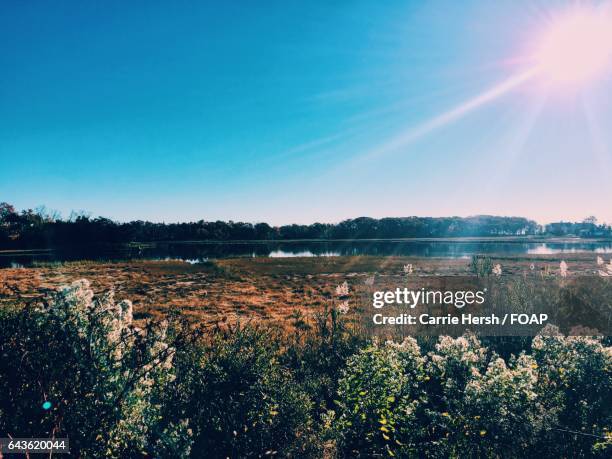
(576, 48)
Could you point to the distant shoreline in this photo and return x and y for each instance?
(453, 240)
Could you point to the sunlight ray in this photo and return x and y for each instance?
(453, 114)
(602, 151)
(512, 145)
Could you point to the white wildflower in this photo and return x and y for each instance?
(343, 307)
(531, 266)
(408, 268)
(563, 268)
(105, 329)
(497, 269)
(600, 261)
(369, 281)
(342, 289)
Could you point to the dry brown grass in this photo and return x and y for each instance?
(266, 290)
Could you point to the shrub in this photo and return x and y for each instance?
(318, 357)
(481, 266)
(450, 367)
(575, 376)
(502, 412)
(379, 400)
(463, 400)
(78, 367)
(240, 401)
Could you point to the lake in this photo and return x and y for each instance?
(195, 252)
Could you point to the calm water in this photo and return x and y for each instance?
(198, 252)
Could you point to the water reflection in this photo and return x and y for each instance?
(304, 253)
(552, 249)
(201, 252)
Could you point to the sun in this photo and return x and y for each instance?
(576, 48)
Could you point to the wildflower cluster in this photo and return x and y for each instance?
(604, 270)
(462, 399)
(342, 293)
(94, 372)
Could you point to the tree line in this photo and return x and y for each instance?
(43, 228)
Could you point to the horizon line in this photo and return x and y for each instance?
(84, 213)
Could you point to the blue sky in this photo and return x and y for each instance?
(293, 112)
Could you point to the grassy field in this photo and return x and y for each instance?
(265, 290)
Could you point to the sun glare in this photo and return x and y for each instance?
(576, 48)
(569, 51)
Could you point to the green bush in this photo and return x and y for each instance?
(575, 381)
(502, 410)
(77, 366)
(379, 402)
(318, 357)
(240, 400)
(481, 266)
(463, 400)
